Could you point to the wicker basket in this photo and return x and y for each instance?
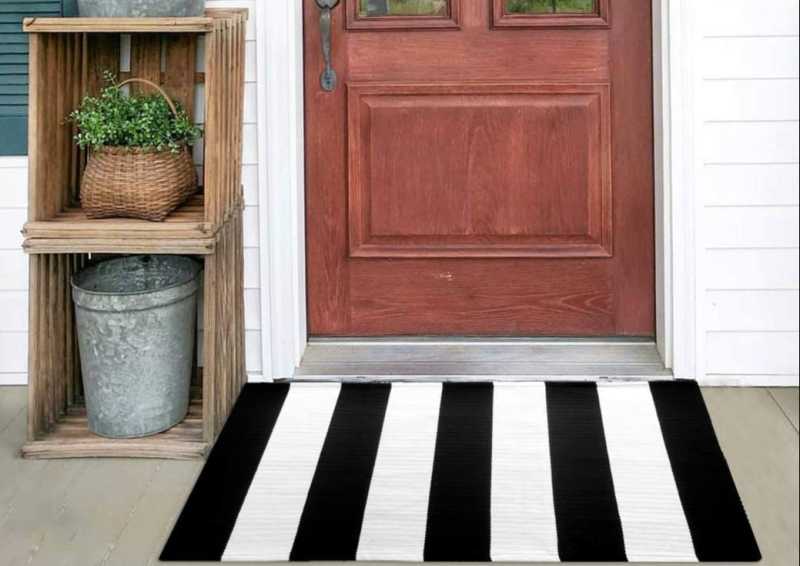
(131, 182)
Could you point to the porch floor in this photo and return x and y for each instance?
(88, 512)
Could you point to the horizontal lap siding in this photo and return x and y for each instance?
(749, 182)
(13, 211)
(13, 271)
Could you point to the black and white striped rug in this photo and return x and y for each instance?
(525, 472)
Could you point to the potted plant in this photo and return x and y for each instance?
(140, 8)
(139, 163)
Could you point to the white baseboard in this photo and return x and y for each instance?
(13, 379)
(751, 381)
(258, 378)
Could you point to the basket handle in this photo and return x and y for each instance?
(155, 86)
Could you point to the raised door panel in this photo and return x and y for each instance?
(492, 55)
(479, 170)
(552, 297)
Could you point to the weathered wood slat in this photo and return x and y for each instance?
(174, 449)
(101, 55)
(36, 155)
(145, 61)
(51, 121)
(211, 161)
(199, 77)
(128, 246)
(35, 374)
(75, 93)
(178, 78)
(186, 220)
(118, 25)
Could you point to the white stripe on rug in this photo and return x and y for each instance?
(267, 523)
(653, 523)
(396, 512)
(523, 515)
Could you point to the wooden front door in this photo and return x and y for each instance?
(480, 167)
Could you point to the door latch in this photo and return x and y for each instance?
(328, 78)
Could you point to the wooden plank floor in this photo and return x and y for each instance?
(119, 512)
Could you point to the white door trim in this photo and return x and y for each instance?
(282, 187)
(679, 333)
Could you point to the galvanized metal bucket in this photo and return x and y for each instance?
(136, 319)
(140, 8)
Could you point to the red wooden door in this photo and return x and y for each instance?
(482, 167)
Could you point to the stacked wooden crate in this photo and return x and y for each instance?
(68, 57)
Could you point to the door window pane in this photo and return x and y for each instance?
(377, 8)
(550, 6)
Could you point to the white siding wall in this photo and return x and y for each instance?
(13, 271)
(749, 178)
(14, 264)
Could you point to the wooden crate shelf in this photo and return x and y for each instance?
(184, 231)
(56, 419)
(67, 59)
(70, 437)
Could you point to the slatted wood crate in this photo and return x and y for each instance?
(67, 59)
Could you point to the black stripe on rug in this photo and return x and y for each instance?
(717, 520)
(587, 517)
(334, 511)
(210, 513)
(459, 507)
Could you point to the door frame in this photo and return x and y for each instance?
(282, 234)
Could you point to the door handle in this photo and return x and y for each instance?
(328, 78)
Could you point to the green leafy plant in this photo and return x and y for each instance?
(118, 120)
